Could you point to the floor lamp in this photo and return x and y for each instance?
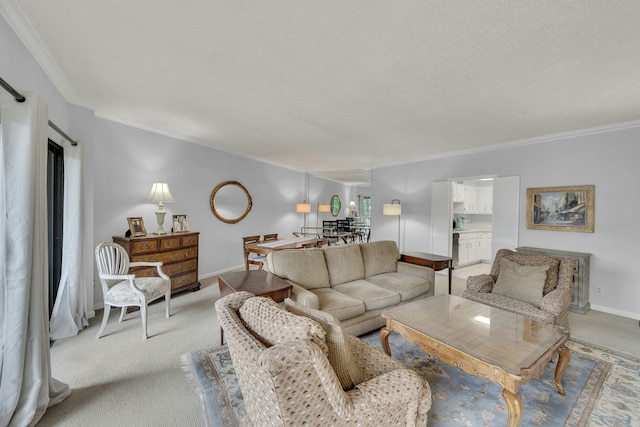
(393, 209)
(322, 207)
(304, 208)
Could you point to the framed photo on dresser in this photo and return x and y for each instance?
(180, 224)
(136, 226)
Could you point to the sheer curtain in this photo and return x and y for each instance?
(69, 311)
(26, 385)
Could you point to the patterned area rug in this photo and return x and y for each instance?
(603, 389)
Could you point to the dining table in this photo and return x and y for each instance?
(265, 248)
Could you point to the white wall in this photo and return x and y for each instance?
(608, 160)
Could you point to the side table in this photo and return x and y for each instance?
(258, 282)
(437, 262)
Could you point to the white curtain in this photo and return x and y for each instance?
(26, 385)
(69, 311)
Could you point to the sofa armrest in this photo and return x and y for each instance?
(303, 296)
(482, 283)
(416, 270)
(371, 362)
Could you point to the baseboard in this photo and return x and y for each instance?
(610, 310)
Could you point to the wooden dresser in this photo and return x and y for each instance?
(177, 251)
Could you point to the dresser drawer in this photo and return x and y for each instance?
(172, 243)
(143, 246)
(184, 280)
(170, 256)
(191, 240)
(180, 267)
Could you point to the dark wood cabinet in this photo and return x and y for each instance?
(177, 251)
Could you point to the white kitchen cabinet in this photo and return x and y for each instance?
(485, 247)
(457, 192)
(470, 199)
(469, 248)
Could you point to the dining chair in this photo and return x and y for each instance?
(267, 237)
(121, 289)
(250, 257)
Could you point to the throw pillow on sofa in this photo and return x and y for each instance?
(521, 282)
(339, 352)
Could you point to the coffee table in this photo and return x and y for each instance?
(505, 347)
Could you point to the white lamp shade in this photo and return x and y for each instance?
(392, 209)
(160, 193)
(324, 207)
(303, 207)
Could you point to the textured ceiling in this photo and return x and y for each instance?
(337, 85)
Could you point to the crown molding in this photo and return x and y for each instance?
(26, 32)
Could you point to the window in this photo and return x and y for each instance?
(55, 212)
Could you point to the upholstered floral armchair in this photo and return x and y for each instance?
(535, 286)
(302, 369)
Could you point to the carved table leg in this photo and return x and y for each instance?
(515, 407)
(564, 355)
(384, 339)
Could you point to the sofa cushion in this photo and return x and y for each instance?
(522, 282)
(340, 305)
(273, 325)
(344, 263)
(379, 257)
(406, 285)
(305, 267)
(339, 354)
(374, 297)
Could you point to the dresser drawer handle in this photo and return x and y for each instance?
(153, 258)
(145, 246)
(153, 273)
(190, 240)
(184, 266)
(186, 254)
(170, 242)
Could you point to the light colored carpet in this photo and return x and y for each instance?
(124, 380)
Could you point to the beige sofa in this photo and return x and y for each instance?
(355, 283)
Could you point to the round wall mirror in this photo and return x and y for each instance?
(230, 202)
(335, 205)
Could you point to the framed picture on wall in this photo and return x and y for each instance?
(136, 226)
(561, 208)
(180, 223)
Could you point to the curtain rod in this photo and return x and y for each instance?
(20, 98)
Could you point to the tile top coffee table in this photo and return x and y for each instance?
(258, 282)
(507, 348)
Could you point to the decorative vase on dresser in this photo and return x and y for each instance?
(177, 251)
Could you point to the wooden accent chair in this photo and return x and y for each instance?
(121, 289)
(249, 257)
(268, 237)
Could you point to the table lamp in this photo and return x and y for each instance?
(160, 193)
